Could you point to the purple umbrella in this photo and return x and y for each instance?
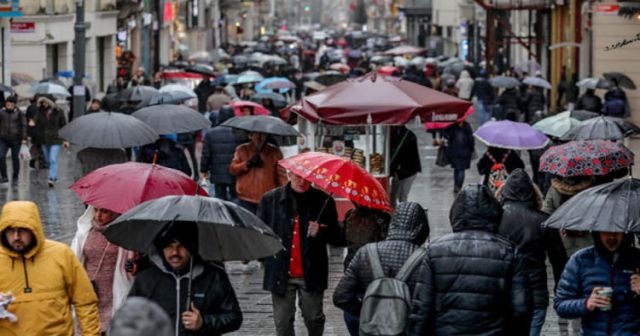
(511, 135)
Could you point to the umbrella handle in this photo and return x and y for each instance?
(324, 206)
(155, 157)
(189, 285)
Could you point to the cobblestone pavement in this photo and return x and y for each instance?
(433, 188)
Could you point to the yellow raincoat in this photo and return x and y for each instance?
(46, 281)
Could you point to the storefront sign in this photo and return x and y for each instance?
(607, 9)
(10, 8)
(23, 27)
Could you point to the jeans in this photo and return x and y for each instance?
(14, 145)
(284, 309)
(50, 153)
(353, 324)
(225, 191)
(539, 314)
(458, 178)
(483, 112)
(400, 188)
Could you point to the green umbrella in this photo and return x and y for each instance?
(557, 125)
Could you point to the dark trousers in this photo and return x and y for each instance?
(458, 178)
(225, 191)
(353, 324)
(284, 309)
(14, 146)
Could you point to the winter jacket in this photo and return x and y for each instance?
(461, 145)
(473, 282)
(218, 147)
(48, 123)
(534, 105)
(616, 103)
(408, 229)
(483, 90)
(522, 225)
(46, 281)
(405, 160)
(561, 190)
(589, 102)
(169, 155)
(13, 124)
(464, 85)
(203, 91)
(253, 183)
(593, 267)
(361, 227)
(511, 163)
(212, 294)
(276, 210)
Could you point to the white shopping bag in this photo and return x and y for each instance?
(25, 153)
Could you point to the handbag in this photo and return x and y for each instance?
(442, 159)
(25, 152)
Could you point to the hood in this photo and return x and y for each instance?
(627, 243)
(45, 99)
(465, 74)
(571, 185)
(520, 188)
(22, 214)
(475, 209)
(409, 223)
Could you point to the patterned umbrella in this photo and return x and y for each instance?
(339, 176)
(586, 158)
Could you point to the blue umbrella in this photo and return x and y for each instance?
(261, 89)
(249, 77)
(224, 80)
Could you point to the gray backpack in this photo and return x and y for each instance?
(386, 304)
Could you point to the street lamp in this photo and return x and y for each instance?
(79, 99)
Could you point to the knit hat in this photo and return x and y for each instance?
(184, 232)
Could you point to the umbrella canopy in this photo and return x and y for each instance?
(169, 119)
(586, 158)
(330, 78)
(342, 68)
(511, 135)
(404, 50)
(108, 130)
(620, 79)
(172, 97)
(583, 115)
(178, 88)
(557, 125)
(339, 176)
(262, 124)
(257, 108)
(50, 88)
(354, 53)
(442, 125)
(279, 83)
(276, 98)
(225, 231)
(504, 82)
(201, 69)
(19, 78)
(380, 100)
(249, 77)
(140, 93)
(594, 83)
(610, 207)
(537, 81)
(605, 128)
(381, 59)
(202, 56)
(120, 187)
(388, 70)
(5, 88)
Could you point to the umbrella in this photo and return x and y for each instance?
(226, 231)
(511, 135)
(380, 100)
(280, 83)
(171, 97)
(276, 60)
(442, 125)
(331, 78)
(342, 68)
(18, 78)
(594, 83)
(50, 88)
(504, 82)
(178, 88)
(257, 108)
(586, 158)
(537, 81)
(620, 79)
(201, 69)
(5, 88)
(120, 187)
(388, 70)
(354, 53)
(249, 77)
(583, 115)
(605, 128)
(225, 79)
(610, 207)
(530, 66)
(381, 59)
(140, 93)
(169, 119)
(557, 125)
(201, 57)
(261, 124)
(314, 85)
(404, 50)
(108, 130)
(240, 59)
(276, 98)
(339, 176)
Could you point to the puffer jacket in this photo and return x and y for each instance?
(48, 122)
(218, 147)
(474, 282)
(464, 85)
(253, 183)
(211, 290)
(593, 267)
(409, 228)
(534, 105)
(46, 281)
(522, 225)
(13, 124)
(590, 102)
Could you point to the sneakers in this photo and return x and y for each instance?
(51, 183)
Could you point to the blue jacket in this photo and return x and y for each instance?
(218, 147)
(587, 269)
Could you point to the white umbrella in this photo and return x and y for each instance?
(50, 88)
(537, 81)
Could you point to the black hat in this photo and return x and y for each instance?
(11, 99)
(184, 232)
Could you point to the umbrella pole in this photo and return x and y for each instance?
(324, 206)
(190, 282)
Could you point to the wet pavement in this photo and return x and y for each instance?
(433, 189)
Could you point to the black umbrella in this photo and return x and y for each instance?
(583, 115)
(504, 81)
(140, 93)
(283, 133)
(170, 97)
(201, 69)
(169, 119)
(331, 78)
(604, 128)
(225, 230)
(611, 207)
(620, 79)
(108, 130)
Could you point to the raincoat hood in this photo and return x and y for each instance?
(520, 188)
(22, 215)
(50, 102)
(475, 209)
(409, 223)
(627, 243)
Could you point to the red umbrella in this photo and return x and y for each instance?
(339, 176)
(388, 70)
(120, 187)
(388, 100)
(257, 108)
(441, 125)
